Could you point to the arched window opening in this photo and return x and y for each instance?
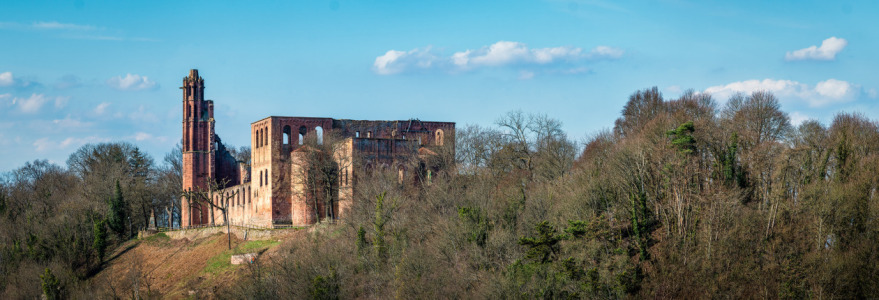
(287, 133)
(260, 178)
(369, 134)
(320, 135)
(258, 138)
(265, 137)
(267, 177)
(302, 131)
(439, 137)
(357, 134)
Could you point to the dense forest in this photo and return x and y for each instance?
(683, 198)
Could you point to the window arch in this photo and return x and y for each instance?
(439, 137)
(319, 134)
(302, 131)
(287, 135)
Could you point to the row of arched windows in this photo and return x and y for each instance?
(262, 138)
(288, 134)
(240, 198)
(263, 177)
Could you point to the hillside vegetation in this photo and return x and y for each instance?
(683, 198)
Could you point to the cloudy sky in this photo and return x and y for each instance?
(77, 72)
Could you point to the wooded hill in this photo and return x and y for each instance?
(683, 198)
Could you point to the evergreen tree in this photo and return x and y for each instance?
(116, 218)
(100, 243)
(51, 285)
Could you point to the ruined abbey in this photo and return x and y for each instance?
(302, 170)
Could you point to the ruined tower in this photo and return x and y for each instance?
(277, 185)
(198, 146)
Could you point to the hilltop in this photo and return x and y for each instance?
(159, 266)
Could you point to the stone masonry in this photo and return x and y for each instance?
(277, 188)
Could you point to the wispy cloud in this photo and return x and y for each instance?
(101, 108)
(145, 137)
(828, 50)
(45, 144)
(95, 37)
(50, 25)
(61, 26)
(68, 82)
(72, 31)
(830, 91)
(142, 115)
(6, 79)
(70, 123)
(31, 104)
(797, 118)
(500, 54)
(131, 82)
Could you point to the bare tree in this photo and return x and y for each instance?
(209, 197)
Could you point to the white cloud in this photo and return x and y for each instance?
(796, 118)
(43, 144)
(828, 50)
(833, 88)
(60, 102)
(826, 92)
(142, 115)
(146, 137)
(31, 104)
(394, 61)
(142, 136)
(871, 92)
(101, 108)
(500, 54)
(131, 82)
(76, 142)
(52, 25)
(508, 53)
(6, 79)
(674, 89)
(68, 123)
(606, 52)
(61, 26)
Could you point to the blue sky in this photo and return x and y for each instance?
(77, 72)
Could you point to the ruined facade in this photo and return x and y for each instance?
(302, 170)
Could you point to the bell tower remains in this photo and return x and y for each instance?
(198, 147)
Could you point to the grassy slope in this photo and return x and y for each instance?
(159, 266)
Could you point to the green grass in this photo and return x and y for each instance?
(159, 239)
(222, 262)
